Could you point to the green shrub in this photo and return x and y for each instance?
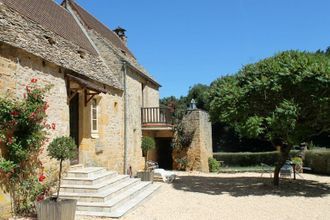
(148, 143)
(214, 165)
(249, 159)
(62, 148)
(318, 160)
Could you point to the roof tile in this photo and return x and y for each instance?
(53, 17)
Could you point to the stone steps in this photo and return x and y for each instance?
(96, 188)
(103, 193)
(121, 210)
(88, 180)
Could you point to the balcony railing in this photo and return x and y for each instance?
(156, 116)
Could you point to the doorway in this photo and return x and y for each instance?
(74, 125)
(164, 153)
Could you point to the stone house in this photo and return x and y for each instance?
(100, 93)
(101, 96)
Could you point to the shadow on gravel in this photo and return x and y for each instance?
(254, 186)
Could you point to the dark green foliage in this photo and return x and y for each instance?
(214, 165)
(62, 148)
(283, 97)
(148, 143)
(250, 159)
(318, 160)
(198, 92)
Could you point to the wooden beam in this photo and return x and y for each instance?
(89, 96)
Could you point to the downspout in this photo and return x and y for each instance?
(125, 119)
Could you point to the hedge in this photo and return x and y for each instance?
(249, 158)
(318, 160)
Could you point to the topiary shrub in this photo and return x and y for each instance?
(214, 165)
(61, 148)
(148, 143)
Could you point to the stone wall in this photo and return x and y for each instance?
(17, 68)
(107, 146)
(200, 148)
(136, 98)
(150, 96)
(134, 131)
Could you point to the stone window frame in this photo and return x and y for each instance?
(94, 132)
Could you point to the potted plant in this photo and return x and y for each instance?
(148, 143)
(54, 208)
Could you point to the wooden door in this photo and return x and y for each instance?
(74, 125)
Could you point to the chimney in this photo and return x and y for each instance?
(121, 34)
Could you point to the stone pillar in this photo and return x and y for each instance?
(200, 148)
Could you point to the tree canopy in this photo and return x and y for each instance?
(284, 98)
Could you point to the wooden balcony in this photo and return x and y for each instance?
(156, 118)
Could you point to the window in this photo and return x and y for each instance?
(94, 118)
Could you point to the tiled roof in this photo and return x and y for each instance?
(93, 23)
(53, 17)
(20, 31)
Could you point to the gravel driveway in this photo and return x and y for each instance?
(237, 196)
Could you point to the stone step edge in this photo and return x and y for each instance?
(120, 197)
(119, 213)
(91, 178)
(105, 204)
(138, 200)
(86, 170)
(98, 185)
(135, 190)
(99, 195)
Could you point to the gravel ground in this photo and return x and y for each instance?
(237, 196)
(234, 196)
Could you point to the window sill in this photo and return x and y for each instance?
(94, 135)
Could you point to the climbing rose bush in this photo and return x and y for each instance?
(23, 133)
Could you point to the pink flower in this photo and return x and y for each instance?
(10, 140)
(40, 198)
(41, 178)
(14, 113)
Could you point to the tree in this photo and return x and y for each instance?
(148, 143)
(199, 93)
(61, 149)
(285, 98)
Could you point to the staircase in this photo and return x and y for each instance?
(104, 193)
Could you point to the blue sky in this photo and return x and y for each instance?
(185, 42)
